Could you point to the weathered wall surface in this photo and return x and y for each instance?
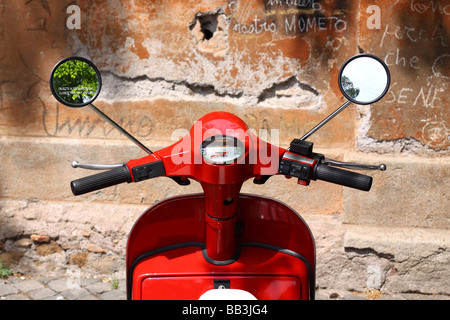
(274, 63)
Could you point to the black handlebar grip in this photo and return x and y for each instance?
(343, 177)
(100, 180)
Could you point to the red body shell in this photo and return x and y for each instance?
(180, 246)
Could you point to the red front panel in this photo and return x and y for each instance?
(192, 287)
(182, 219)
(184, 274)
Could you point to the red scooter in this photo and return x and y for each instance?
(222, 244)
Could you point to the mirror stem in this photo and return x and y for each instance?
(324, 121)
(122, 130)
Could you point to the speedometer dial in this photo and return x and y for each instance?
(222, 149)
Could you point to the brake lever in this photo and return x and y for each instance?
(356, 166)
(76, 164)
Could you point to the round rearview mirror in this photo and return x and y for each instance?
(75, 82)
(364, 79)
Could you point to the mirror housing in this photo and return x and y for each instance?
(364, 79)
(75, 82)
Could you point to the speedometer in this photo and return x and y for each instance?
(222, 149)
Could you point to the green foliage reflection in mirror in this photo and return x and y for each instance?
(75, 82)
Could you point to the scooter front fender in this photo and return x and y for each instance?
(180, 222)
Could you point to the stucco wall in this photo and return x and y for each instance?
(274, 63)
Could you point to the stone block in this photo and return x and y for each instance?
(162, 119)
(58, 285)
(6, 289)
(412, 192)
(99, 287)
(113, 295)
(77, 294)
(52, 173)
(399, 259)
(48, 249)
(42, 294)
(40, 238)
(29, 285)
(15, 297)
(23, 243)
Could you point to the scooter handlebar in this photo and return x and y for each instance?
(101, 180)
(343, 177)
